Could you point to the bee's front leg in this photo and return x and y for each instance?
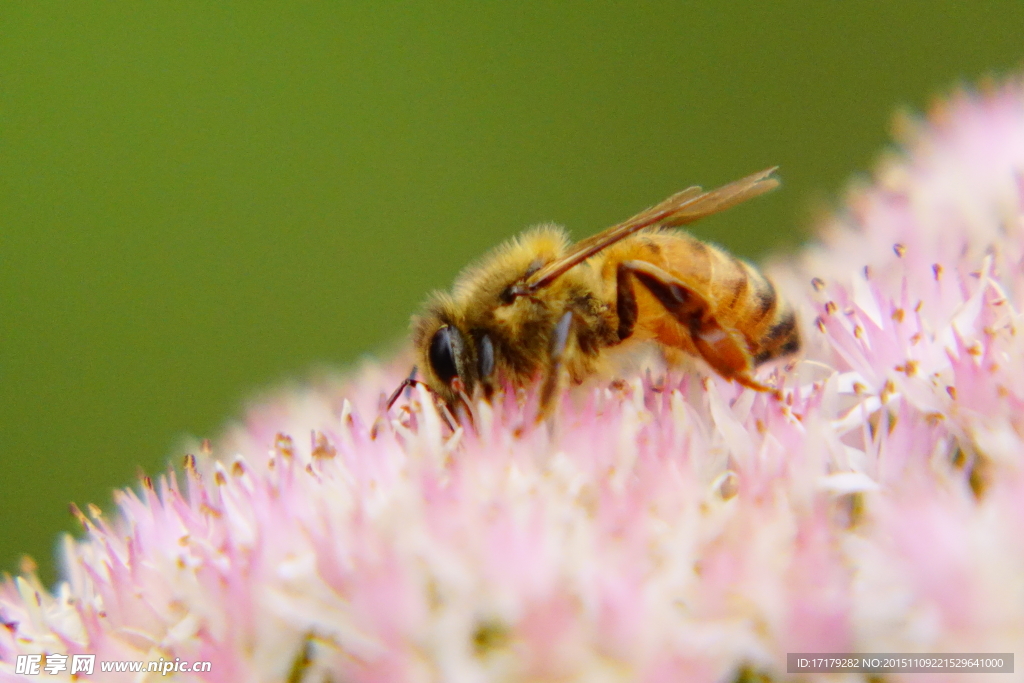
(722, 348)
(554, 371)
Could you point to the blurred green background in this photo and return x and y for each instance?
(198, 200)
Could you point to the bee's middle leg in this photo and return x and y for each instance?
(724, 350)
(553, 374)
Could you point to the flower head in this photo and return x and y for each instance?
(668, 527)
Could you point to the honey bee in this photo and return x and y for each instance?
(538, 307)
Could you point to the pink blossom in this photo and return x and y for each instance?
(668, 527)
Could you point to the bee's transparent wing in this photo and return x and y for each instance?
(682, 208)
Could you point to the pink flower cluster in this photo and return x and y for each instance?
(668, 527)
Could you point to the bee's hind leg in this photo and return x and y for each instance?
(724, 350)
(553, 375)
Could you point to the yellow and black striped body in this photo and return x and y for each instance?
(728, 290)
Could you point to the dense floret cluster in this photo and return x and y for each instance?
(668, 527)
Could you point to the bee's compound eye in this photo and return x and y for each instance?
(486, 357)
(443, 348)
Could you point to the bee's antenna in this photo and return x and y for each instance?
(407, 383)
(411, 381)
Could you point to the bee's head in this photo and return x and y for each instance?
(461, 336)
(452, 360)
